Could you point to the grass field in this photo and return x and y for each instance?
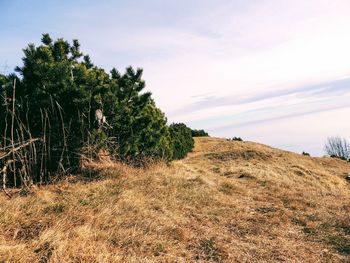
(226, 202)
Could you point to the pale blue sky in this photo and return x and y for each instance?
(272, 71)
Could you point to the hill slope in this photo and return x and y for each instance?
(226, 202)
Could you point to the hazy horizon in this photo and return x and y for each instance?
(275, 72)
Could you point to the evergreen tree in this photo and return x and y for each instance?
(140, 127)
(59, 95)
(62, 90)
(51, 92)
(199, 133)
(182, 140)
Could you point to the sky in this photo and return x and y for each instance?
(272, 71)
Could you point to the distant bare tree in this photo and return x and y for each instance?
(337, 147)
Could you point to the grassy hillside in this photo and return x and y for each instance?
(226, 202)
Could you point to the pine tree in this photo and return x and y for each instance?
(139, 126)
(181, 139)
(60, 92)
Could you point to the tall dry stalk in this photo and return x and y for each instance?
(26, 159)
(12, 132)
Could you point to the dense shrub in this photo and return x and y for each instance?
(137, 124)
(237, 139)
(57, 96)
(58, 91)
(182, 141)
(199, 133)
(338, 157)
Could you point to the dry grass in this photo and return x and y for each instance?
(226, 202)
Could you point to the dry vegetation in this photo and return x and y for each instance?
(226, 202)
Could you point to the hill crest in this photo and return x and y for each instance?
(226, 202)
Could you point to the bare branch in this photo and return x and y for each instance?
(14, 150)
(337, 147)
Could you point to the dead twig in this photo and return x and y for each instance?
(14, 150)
(12, 131)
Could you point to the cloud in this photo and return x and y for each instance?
(282, 117)
(326, 90)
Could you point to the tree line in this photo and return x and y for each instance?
(64, 109)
